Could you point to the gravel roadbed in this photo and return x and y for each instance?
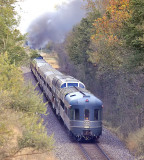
(112, 145)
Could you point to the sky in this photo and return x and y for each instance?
(31, 9)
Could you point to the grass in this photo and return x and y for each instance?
(52, 59)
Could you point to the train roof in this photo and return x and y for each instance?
(77, 95)
(55, 77)
(82, 98)
(39, 62)
(45, 68)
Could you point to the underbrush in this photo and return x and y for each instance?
(114, 130)
(21, 136)
(21, 125)
(135, 142)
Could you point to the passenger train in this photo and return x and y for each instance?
(79, 109)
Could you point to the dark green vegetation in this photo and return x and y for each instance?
(133, 33)
(109, 59)
(21, 125)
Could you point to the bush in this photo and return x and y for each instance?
(135, 141)
(35, 135)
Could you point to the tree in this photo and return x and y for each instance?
(96, 5)
(133, 33)
(11, 77)
(79, 39)
(78, 47)
(117, 12)
(11, 39)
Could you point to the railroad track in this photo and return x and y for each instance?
(92, 151)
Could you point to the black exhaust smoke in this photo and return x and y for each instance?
(55, 25)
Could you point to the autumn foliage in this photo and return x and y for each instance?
(117, 12)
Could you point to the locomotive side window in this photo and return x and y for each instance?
(64, 85)
(81, 85)
(62, 104)
(76, 114)
(96, 112)
(48, 87)
(71, 114)
(65, 110)
(86, 114)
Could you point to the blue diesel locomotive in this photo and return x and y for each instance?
(79, 109)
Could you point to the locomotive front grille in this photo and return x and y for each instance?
(87, 133)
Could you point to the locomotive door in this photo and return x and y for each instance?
(86, 117)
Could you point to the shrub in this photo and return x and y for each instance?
(135, 141)
(35, 135)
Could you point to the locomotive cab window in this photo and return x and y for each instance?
(76, 114)
(96, 114)
(72, 84)
(86, 114)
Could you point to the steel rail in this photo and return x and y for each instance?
(84, 151)
(106, 156)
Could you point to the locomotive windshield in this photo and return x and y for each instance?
(72, 84)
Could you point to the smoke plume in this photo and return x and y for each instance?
(55, 25)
